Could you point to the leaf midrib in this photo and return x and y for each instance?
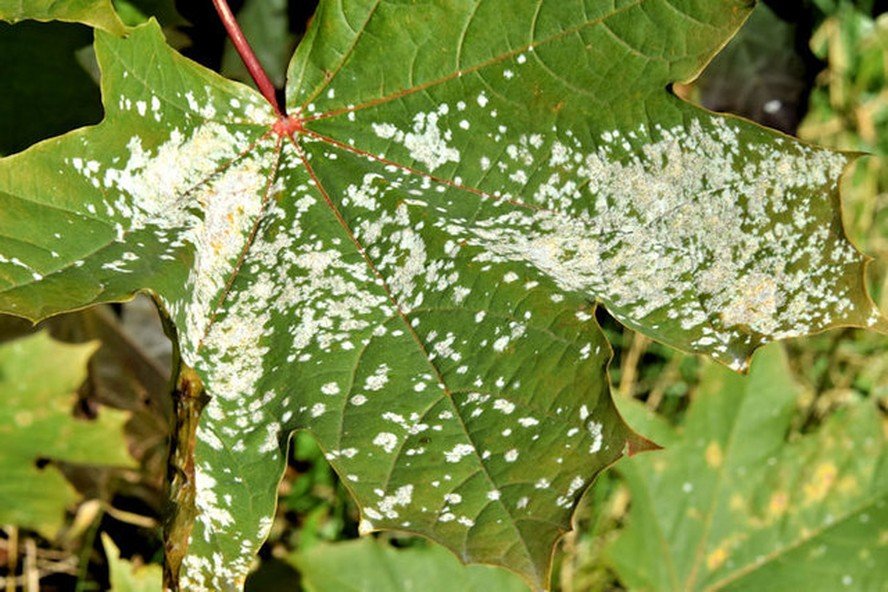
(420, 345)
(128, 231)
(460, 72)
(777, 553)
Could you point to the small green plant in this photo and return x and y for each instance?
(405, 258)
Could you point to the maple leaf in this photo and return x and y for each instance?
(731, 505)
(375, 566)
(36, 424)
(95, 13)
(407, 266)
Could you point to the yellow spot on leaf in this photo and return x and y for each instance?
(821, 482)
(714, 455)
(778, 504)
(737, 502)
(715, 559)
(23, 419)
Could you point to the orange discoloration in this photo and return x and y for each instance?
(287, 126)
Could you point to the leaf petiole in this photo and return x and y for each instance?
(257, 72)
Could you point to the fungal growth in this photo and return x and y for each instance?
(410, 273)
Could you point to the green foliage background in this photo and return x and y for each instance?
(831, 390)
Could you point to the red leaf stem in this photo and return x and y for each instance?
(247, 55)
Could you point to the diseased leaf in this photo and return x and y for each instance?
(411, 276)
(36, 425)
(374, 566)
(730, 505)
(849, 111)
(95, 13)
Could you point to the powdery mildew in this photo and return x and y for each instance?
(399, 316)
(308, 288)
(713, 242)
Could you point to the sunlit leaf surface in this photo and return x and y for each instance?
(412, 275)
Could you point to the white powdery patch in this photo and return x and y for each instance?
(456, 453)
(566, 501)
(329, 297)
(507, 407)
(690, 226)
(331, 388)
(364, 195)
(386, 440)
(175, 188)
(452, 498)
(153, 183)
(234, 350)
(595, 430)
(230, 209)
(387, 506)
(378, 379)
(211, 514)
(425, 142)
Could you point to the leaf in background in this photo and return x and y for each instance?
(410, 279)
(123, 374)
(38, 380)
(759, 74)
(731, 505)
(136, 12)
(95, 13)
(368, 565)
(127, 577)
(266, 24)
(46, 92)
(849, 111)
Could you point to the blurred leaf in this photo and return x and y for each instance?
(273, 575)
(46, 91)
(758, 75)
(95, 13)
(38, 377)
(126, 375)
(266, 24)
(128, 577)
(730, 505)
(368, 565)
(136, 12)
(849, 111)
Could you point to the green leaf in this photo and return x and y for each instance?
(266, 24)
(36, 425)
(95, 13)
(126, 577)
(411, 278)
(731, 505)
(759, 74)
(136, 12)
(374, 566)
(849, 111)
(46, 90)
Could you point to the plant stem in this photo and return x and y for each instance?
(190, 400)
(247, 54)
